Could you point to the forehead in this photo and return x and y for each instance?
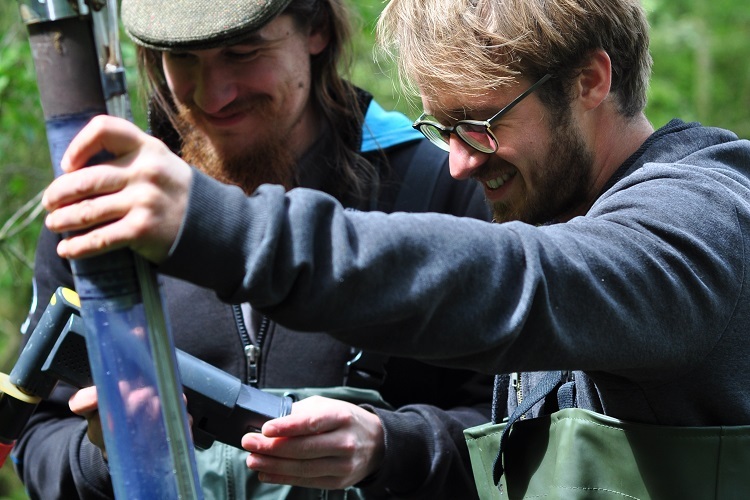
(455, 105)
(278, 28)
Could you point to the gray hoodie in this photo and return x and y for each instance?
(645, 296)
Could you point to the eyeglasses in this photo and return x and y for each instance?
(475, 133)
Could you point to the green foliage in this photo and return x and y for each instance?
(699, 70)
(24, 171)
(378, 77)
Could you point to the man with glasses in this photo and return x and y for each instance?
(477, 134)
(615, 309)
(251, 93)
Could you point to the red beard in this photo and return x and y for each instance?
(269, 162)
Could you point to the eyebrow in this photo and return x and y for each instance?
(462, 113)
(255, 38)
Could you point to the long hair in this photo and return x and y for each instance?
(335, 99)
(469, 47)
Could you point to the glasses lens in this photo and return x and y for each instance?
(477, 136)
(436, 136)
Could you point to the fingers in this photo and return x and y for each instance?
(137, 198)
(329, 444)
(143, 402)
(84, 401)
(313, 415)
(91, 212)
(98, 180)
(330, 461)
(86, 404)
(324, 443)
(329, 473)
(102, 133)
(95, 242)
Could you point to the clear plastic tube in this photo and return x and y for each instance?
(131, 351)
(133, 423)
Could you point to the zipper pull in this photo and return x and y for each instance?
(515, 382)
(252, 358)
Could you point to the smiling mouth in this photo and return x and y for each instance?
(224, 119)
(498, 181)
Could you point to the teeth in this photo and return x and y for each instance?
(498, 181)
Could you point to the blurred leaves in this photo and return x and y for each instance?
(24, 171)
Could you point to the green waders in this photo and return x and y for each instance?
(224, 476)
(578, 454)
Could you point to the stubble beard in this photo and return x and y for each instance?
(268, 161)
(561, 181)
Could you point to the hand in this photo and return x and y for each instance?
(138, 199)
(86, 404)
(324, 443)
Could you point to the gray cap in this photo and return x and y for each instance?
(195, 24)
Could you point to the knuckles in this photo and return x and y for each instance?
(88, 214)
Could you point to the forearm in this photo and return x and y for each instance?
(431, 441)
(399, 283)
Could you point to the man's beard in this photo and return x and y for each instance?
(269, 161)
(561, 183)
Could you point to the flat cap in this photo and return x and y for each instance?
(195, 24)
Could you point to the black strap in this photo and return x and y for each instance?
(499, 396)
(415, 193)
(367, 369)
(549, 382)
(566, 394)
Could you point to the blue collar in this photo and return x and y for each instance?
(383, 129)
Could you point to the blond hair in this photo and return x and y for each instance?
(470, 47)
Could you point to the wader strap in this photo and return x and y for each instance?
(566, 394)
(367, 369)
(499, 395)
(549, 382)
(415, 193)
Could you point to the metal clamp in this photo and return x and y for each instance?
(39, 11)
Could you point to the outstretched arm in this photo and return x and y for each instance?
(428, 286)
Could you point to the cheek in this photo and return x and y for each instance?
(178, 82)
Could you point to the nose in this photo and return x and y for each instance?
(464, 160)
(214, 88)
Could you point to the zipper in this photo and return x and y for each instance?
(229, 474)
(515, 382)
(252, 360)
(251, 349)
(252, 355)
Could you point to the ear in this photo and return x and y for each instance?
(318, 39)
(595, 79)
